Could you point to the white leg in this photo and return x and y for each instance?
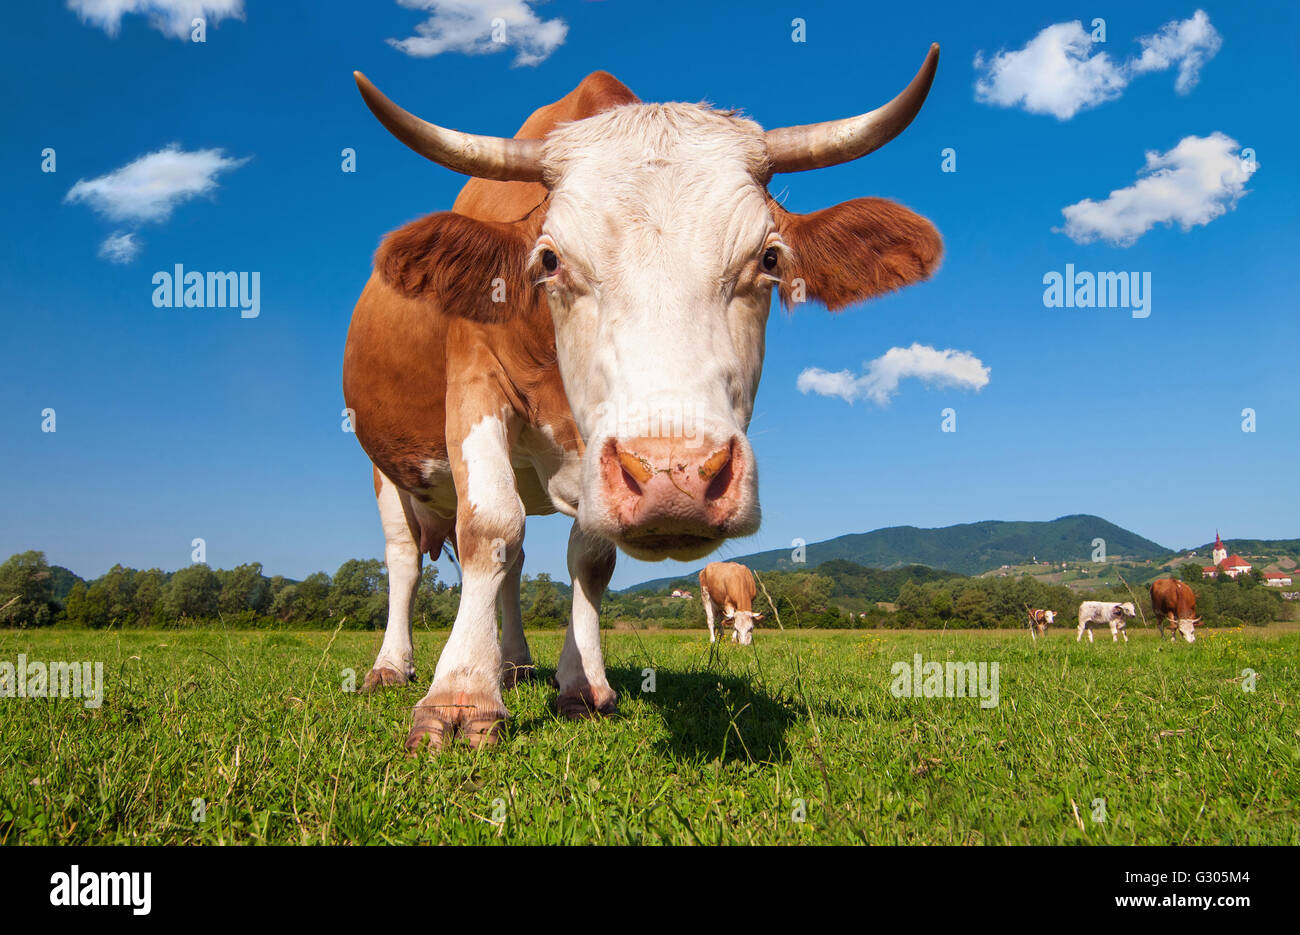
(1090, 639)
(465, 696)
(516, 660)
(708, 615)
(584, 689)
(733, 635)
(395, 664)
(1079, 636)
(1125, 632)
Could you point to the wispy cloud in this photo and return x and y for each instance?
(1198, 180)
(172, 18)
(480, 27)
(148, 190)
(1059, 73)
(120, 247)
(946, 368)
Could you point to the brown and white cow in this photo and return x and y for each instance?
(1174, 601)
(727, 592)
(1040, 620)
(583, 332)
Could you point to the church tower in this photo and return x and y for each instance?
(1220, 553)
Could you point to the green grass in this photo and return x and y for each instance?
(256, 725)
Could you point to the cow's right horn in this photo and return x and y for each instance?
(817, 145)
(486, 157)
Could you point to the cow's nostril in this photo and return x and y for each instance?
(720, 483)
(635, 468)
(717, 471)
(630, 482)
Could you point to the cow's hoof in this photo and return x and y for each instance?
(477, 718)
(586, 701)
(382, 677)
(514, 675)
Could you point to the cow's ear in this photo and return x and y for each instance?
(855, 250)
(470, 268)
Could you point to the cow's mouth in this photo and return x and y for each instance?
(683, 547)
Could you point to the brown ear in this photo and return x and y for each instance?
(471, 268)
(856, 250)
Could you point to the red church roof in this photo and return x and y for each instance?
(1234, 561)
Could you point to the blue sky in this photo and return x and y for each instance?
(181, 423)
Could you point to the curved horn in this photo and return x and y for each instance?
(817, 145)
(484, 157)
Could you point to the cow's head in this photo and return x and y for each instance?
(1187, 627)
(657, 251)
(743, 622)
(1127, 609)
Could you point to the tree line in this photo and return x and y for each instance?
(835, 594)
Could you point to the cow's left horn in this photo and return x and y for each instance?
(817, 145)
(484, 157)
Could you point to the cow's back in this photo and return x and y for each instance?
(729, 582)
(1172, 596)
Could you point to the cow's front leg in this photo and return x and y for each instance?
(516, 660)
(465, 697)
(584, 690)
(395, 664)
(1079, 635)
(708, 616)
(1090, 639)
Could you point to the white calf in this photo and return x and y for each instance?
(1106, 612)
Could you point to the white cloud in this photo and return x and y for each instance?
(1058, 73)
(946, 368)
(1198, 180)
(150, 188)
(120, 247)
(172, 18)
(1189, 44)
(478, 27)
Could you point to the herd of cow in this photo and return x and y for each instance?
(1173, 603)
(583, 333)
(727, 592)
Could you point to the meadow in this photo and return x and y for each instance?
(244, 737)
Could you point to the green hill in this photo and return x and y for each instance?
(969, 549)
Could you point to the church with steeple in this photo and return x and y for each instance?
(1230, 565)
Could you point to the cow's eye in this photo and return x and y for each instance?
(550, 262)
(771, 256)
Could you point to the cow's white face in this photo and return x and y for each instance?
(743, 621)
(1188, 629)
(1049, 617)
(658, 256)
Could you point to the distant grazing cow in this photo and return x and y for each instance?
(1174, 601)
(728, 589)
(1040, 620)
(1104, 612)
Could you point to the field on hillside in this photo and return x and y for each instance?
(797, 739)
